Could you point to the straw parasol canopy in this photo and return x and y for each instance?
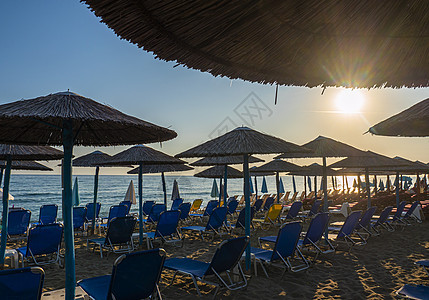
(217, 171)
(278, 165)
(142, 154)
(359, 171)
(40, 120)
(255, 172)
(152, 169)
(314, 170)
(242, 140)
(26, 165)
(305, 43)
(93, 159)
(413, 121)
(21, 152)
(224, 160)
(371, 160)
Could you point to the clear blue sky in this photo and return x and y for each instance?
(50, 46)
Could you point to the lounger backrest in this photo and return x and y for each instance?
(384, 215)
(147, 207)
(399, 210)
(232, 206)
(44, 239)
(176, 203)
(268, 203)
(184, 208)
(349, 224)
(217, 218)
(24, 283)
(210, 207)
(79, 215)
(120, 230)
(167, 223)
(258, 204)
(315, 208)
(128, 204)
(294, 196)
(274, 212)
(155, 212)
(90, 211)
(287, 238)
(316, 228)
(241, 220)
(48, 214)
(117, 211)
(136, 275)
(294, 210)
(411, 209)
(18, 221)
(196, 204)
(227, 255)
(366, 217)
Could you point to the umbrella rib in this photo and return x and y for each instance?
(46, 123)
(78, 131)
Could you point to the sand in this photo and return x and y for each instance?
(373, 271)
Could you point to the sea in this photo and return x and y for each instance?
(32, 191)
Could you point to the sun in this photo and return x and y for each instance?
(349, 101)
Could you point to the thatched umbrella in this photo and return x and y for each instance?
(225, 161)
(93, 159)
(19, 152)
(217, 171)
(370, 161)
(412, 122)
(69, 119)
(243, 141)
(154, 169)
(307, 43)
(142, 155)
(277, 166)
(326, 147)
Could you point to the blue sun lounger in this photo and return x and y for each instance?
(118, 238)
(18, 222)
(176, 203)
(381, 222)
(134, 276)
(166, 228)
(25, 283)
(128, 204)
(409, 216)
(155, 212)
(424, 263)
(115, 211)
(214, 224)
(225, 259)
(147, 207)
(232, 206)
(395, 220)
(345, 232)
(284, 249)
(184, 209)
(241, 220)
(48, 214)
(257, 205)
(43, 243)
(417, 292)
(293, 212)
(90, 211)
(268, 202)
(79, 216)
(314, 209)
(211, 205)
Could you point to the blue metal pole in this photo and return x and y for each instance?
(278, 186)
(256, 187)
(1, 175)
(5, 209)
(220, 190)
(225, 180)
(68, 210)
(164, 188)
(247, 205)
(141, 204)
(368, 190)
(325, 188)
(315, 188)
(97, 171)
(397, 190)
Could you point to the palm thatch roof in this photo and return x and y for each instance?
(40, 121)
(218, 172)
(409, 166)
(142, 154)
(314, 170)
(20, 152)
(413, 121)
(239, 141)
(25, 165)
(325, 147)
(278, 165)
(224, 160)
(254, 172)
(93, 159)
(305, 43)
(371, 160)
(153, 169)
(360, 171)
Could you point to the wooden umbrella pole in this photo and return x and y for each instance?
(5, 210)
(397, 190)
(164, 189)
(368, 190)
(278, 186)
(247, 205)
(141, 204)
(97, 171)
(225, 190)
(325, 186)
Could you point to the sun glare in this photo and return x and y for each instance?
(349, 101)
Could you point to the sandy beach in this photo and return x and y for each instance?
(373, 271)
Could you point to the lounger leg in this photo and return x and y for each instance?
(196, 285)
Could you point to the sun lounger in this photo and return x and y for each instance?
(313, 210)
(345, 232)
(424, 263)
(43, 245)
(224, 261)
(258, 205)
(147, 207)
(211, 205)
(47, 214)
(417, 292)
(79, 216)
(128, 204)
(155, 212)
(25, 283)
(184, 209)
(232, 206)
(395, 220)
(166, 228)
(115, 211)
(240, 223)
(293, 212)
(408, 216)
(134, 276)
(176, 203)
(196, 205)
(118, 237)
(267, 204)
(381, 222)
(90, 212)
(271, 217)
(215, 222)
(284, 250)
(18, 222)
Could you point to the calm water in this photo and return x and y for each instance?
(32, 191)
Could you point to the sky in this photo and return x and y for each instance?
(51, 46)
